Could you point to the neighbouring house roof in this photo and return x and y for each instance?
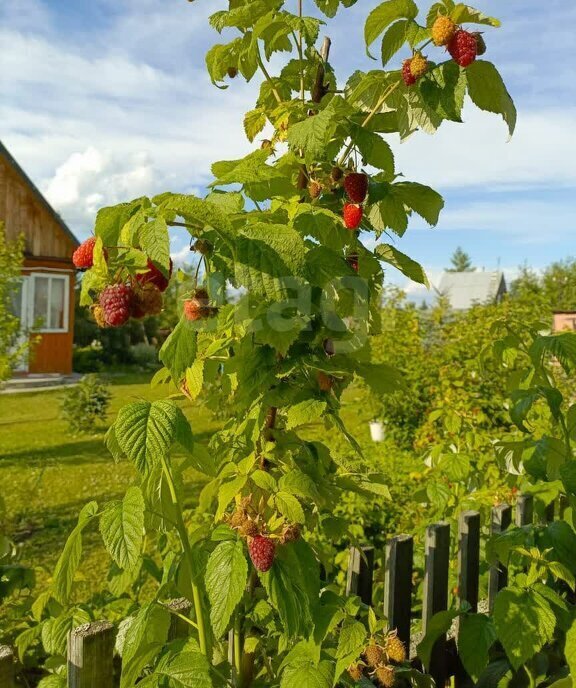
(464, 289)
(5, 153)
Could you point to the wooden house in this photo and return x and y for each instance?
(45, 299)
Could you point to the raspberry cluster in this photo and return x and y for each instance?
(379, 660)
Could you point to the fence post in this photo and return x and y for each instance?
(360, 573)
(436, 593)
(90, 656)
(498, 576)
(178, 627)
(468, 576)
(7, 679)
(398, 585)
(469, 558)
(524, 510)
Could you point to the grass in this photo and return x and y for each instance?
(47, 474)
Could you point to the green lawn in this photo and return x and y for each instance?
(47, 474)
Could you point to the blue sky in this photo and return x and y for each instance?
(108, 99)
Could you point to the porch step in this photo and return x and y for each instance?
(32, 383)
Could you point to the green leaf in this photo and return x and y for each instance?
(476, 636)
(122, 528)
(145, 638)
(197, 211)
(228, 491)
(393, 40)
(351, 638)
(373, 148)
(307, 675)
(179, 350)
(568, 475)
(402, 262)
(421, 199)
(463, 14)
(110, 220)
(439, 625)
(67, 564)
(570, 648)
(261, 181)
(313, 134)
(526, 611)
(488, 92)
(380, 377)
(183, 669)
(289, 507)
(145, 431)
(155, 241)
(195, 378)
(382, 16)
(305, 412)
(226, 575)
(254, 122)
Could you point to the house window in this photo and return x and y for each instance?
(49, 303)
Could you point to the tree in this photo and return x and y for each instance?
(11, 350)
(282, 227)
(461, 262)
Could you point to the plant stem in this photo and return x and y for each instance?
(367, 119)
(301, 53)
(238, 646)
(267, 75)
(183, 534)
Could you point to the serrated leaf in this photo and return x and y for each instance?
(226, 575)
(195, 378)
(393, 40)
(516, 609)
(145, 638)
(254, 122)
(488, 92)
(110, 220)
(308, 675)
(305, 412)
(475, 638)
(463, 14)
(421, 199)
(71, 554)
(122, 528)
(155, 241)
(373, 148)
(145, 431)
(183, 669)
(179, 350)
(289, 507)
(402, 262)
(351, 639)
(438, 626)
(228, 491)
(382, 16)
(570, 648)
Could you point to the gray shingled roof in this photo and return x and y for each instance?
(464, 289)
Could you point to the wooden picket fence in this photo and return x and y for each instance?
(91, 646)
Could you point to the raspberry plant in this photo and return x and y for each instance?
(283, 228)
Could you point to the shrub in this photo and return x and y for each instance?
(88, 359)
(86, 403)
(144, 355)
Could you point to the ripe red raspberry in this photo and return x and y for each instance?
(116, 302)
(356, 186)
(463, 48)
(262, 550)
(352, 215)
(83, 256)
(147, 301)
(409, 78)
(154, 276)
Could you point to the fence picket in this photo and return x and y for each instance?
(398, 585)
(498, 576)
(524, 510)
(90, 656)
(436, 592)
(361, 573)
(7, 679)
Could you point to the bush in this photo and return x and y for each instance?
(88, 359)
(86, 403)
(144, 355)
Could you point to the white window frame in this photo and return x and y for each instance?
(31, 297)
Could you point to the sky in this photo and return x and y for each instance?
(107, 100)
